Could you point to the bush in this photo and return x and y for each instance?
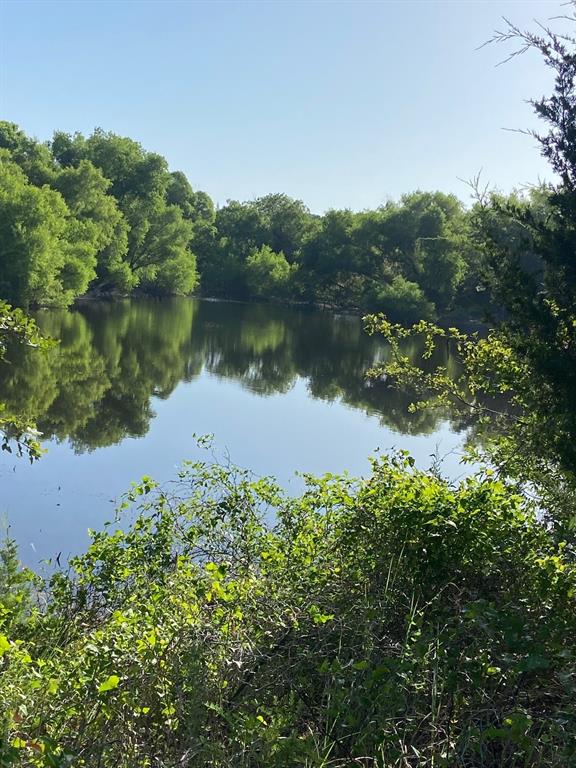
(397, 621)
(402, 301)
(267, 273)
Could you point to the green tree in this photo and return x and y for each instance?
(528, 246)
(288, 224)
(159, 232)
(44, 259)
(354, 257)
(403, 301)
(223, 248)
(267, 273)
(33, 158)
(195, 206)
(159, 256)
(333, 263)
(97, 225)
(531, 268)
(441, 268)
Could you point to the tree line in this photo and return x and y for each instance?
(95, 213)
(100, 214)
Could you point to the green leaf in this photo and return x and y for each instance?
(4, 644)
(109, 684)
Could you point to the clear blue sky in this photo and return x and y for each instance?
(340, 104)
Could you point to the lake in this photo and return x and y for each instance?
(131, 382)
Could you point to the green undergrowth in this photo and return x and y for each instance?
(393, 621)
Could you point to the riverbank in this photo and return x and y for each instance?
(397, 621)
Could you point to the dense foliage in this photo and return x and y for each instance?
(98, 213)
(410, 259)
(396, 621)
(102, 215)
(529, 263)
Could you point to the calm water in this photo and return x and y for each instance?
(131, 382)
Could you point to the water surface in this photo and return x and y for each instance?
(131, 382)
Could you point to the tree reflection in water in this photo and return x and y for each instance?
(96, 386)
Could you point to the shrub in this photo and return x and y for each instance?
(403, 301)
(396, 621)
